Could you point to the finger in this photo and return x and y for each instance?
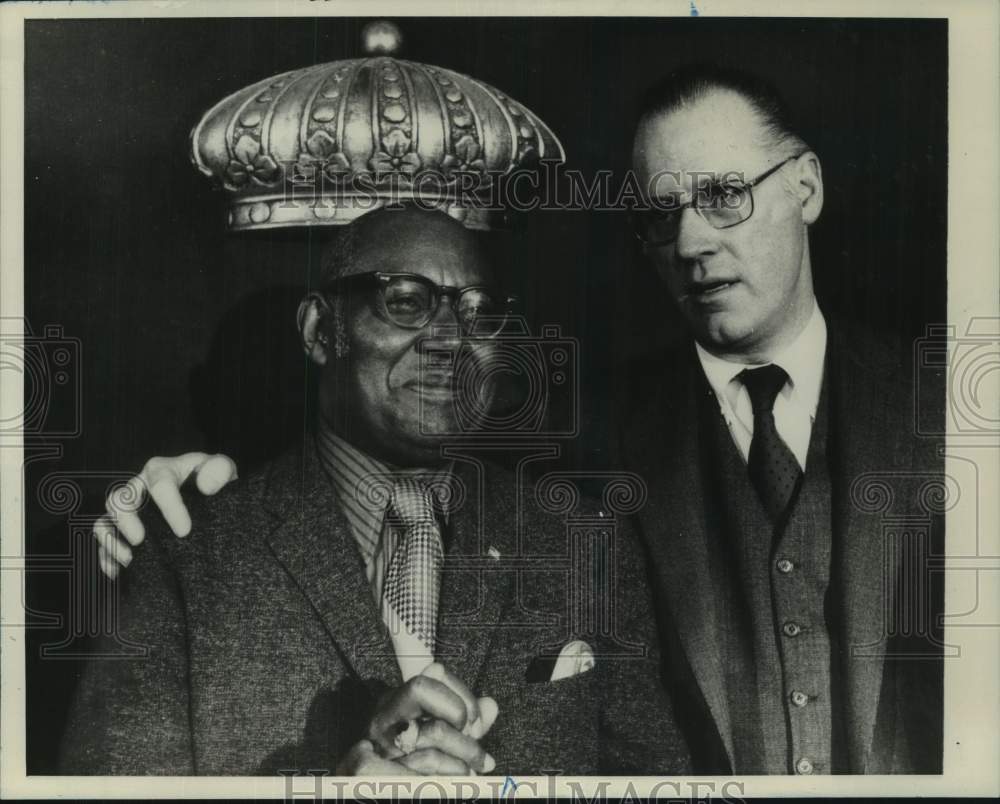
(215, 473)
(108, 567)
(431, 762)
(488, 711)
(106, 524)
(354, 758)
(362, 760)
(439, 672)
(114, 547)
(180, 467)
(417, 697)
(121, 505)
(130, 526)
(127, 497)
(440, 735)
(167, 496)
(422, 696)
(164, 478)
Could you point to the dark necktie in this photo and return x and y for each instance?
(774, 472)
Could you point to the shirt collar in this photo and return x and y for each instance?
(802, 359)
(353, 471)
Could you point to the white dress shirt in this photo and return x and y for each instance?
(795, 406)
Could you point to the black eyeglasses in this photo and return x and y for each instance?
(720, 204)
(411, 301)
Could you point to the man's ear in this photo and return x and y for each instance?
(810, 186)
(314, 320)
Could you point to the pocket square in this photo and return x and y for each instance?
(576, 657)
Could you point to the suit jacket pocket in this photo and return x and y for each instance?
(548, 726)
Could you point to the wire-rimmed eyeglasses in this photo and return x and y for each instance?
(720, 204)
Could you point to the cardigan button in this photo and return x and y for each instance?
(799, 698)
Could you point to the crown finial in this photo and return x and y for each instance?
(381, 37)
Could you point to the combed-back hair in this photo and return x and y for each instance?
(691, 83)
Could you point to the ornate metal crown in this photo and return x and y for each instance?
(325, 144)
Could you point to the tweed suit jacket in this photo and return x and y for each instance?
(880, 472)
(266, 650)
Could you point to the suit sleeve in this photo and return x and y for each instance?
(130, 715)
(639, 734)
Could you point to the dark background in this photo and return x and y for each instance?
(186, 333)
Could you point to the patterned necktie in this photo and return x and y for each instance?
(412, 583)
(774, 471)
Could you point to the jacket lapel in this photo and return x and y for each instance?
(666, 449)
(312, 540)
(476, 589)
(864, 414)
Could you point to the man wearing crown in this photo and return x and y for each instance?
(382, 599)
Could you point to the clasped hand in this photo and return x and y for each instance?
(431, 725)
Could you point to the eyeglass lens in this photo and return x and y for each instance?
(721, 206)
(412, 303)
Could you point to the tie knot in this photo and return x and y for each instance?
(411, 502)
(764, 384)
